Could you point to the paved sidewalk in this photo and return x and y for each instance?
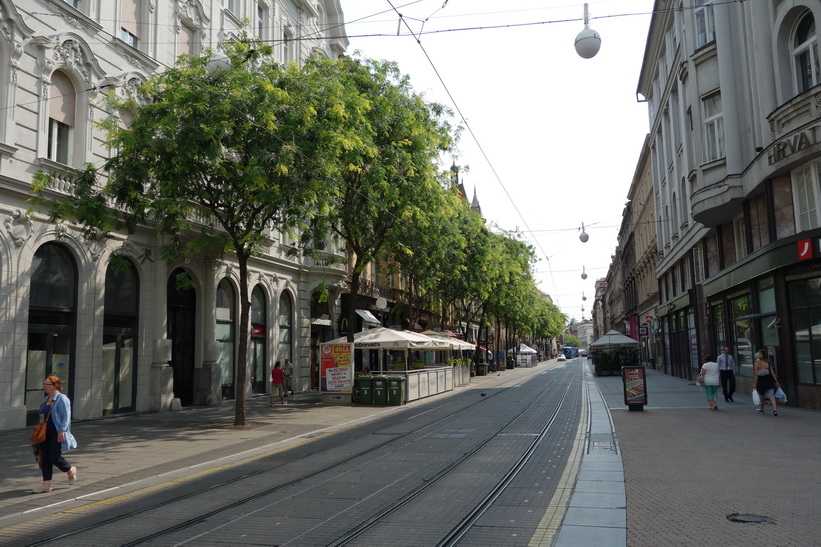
(688, 469)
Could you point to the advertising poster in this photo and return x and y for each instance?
(335, 368)
(635, 391)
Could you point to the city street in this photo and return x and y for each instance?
(518, 458)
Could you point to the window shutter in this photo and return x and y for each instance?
(62, 98)
(131, 16)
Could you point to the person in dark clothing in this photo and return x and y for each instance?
(726, 370)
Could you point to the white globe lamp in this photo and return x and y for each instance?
(588, 40)
(217, 65)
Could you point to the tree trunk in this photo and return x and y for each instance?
(243, 334)
(352, 304)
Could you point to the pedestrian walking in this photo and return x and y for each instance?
(709, 370)
(288, 372)
(55, 410)
(277, 383)
(726, 370)
(764, 382)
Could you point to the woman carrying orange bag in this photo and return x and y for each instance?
(56, 410)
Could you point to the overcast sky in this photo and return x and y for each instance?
(553, 139)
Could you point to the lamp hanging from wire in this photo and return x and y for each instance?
(583, 237)
(583, 297)
(584, 274)
(588, 40)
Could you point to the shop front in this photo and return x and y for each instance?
(774, 306)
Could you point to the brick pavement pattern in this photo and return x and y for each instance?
(687, 469)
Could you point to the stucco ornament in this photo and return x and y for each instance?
(19, 227)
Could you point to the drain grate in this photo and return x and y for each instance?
(735, 517)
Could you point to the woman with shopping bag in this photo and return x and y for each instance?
(764, 382)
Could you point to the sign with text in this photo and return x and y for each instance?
(635, 388)
(335, 370)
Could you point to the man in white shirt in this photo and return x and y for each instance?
(288, 374)
(726, 370)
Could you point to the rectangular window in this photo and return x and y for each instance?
(261, 19)
(128, 38)
(286, 47)
(805, 196)
(58, 141)
(805, 303)
(741, 323)
(705, 23)
(713, 128)
(698, 263)
(188, 41)
(740, 237)
(718, 328)
(229, 5)
(72, 3)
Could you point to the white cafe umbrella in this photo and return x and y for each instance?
(385, 338)
(613, 339)
(455, 343)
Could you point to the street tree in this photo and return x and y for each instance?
(392, 170)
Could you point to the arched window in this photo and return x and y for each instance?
(285, 335)
(61, 110)
(226, 314)
(52, 309)
(805, 54)
(120, 328)
(259, 337)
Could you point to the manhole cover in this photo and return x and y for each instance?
(735, 517)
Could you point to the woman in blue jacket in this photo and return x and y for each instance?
(58, 436)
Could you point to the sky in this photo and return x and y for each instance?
(552, 139)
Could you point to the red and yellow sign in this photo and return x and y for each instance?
(336, 374)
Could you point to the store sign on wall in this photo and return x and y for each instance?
(804, 248)
(798, 142)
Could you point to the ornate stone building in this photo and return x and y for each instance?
(124, 341)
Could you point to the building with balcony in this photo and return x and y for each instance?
(130, 340)
(733, 93)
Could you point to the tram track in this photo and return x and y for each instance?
(393, 441)
(461, 529)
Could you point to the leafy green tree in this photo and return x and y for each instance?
(214, 163)
(391, 171)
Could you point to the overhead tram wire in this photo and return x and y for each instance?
(478, 144)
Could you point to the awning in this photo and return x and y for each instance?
(321, 321)
(368, 318)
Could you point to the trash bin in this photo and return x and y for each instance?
(379, 391)
(365, 386)
(396, 390)
(481, 369)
